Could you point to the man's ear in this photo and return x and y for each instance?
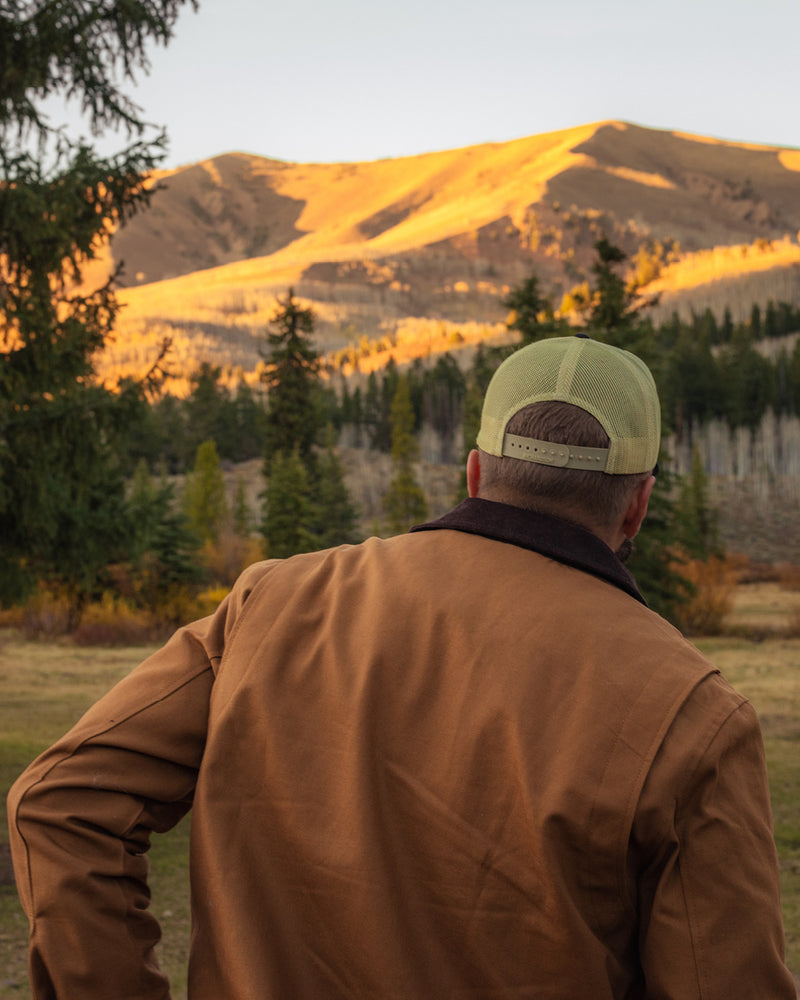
(473, 472)
(637, 509)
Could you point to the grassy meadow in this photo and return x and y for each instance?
(45, 686)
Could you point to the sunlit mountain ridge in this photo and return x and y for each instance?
(433, 242)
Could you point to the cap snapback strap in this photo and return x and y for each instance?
(563, 456)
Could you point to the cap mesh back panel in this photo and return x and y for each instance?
(613, 385)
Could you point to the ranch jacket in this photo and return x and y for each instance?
(467, 762)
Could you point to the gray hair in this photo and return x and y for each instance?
(595, 500)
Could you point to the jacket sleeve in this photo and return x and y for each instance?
(709, 896)
(81, 816)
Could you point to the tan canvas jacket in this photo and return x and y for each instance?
(443, 765)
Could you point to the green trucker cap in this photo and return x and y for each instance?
(613, 385)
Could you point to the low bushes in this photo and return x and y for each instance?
(713, 585)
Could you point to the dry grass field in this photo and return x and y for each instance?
(44, 687)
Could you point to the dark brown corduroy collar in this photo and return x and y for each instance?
(560, 540)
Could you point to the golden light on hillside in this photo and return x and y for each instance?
(641, 177)
(726, 262)
(790, 158)
(377, 247)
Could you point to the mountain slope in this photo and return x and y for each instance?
(234, 207)
(442, 235)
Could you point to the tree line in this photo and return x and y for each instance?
(705, 369)
(295, 425)
(87, 504)
(292, 424)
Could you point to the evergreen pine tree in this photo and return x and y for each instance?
(294, 412)
(204, 494)
(771, 321)
(164, 556)
(615, 313)
(782, 400)
(62, 492)
(249, 424)
(357, 416)
(531, 313)
(755, 321)
(726, 330)
(173, 436)
(379, 403)
(706, 328)
(241, 515)
(689, 383)
(747, 380)
(793, 376)
(654, 561)
(404, 503)
(289, 509)
(612, 309)
(443, 388)
(372, 408)
(336, 516)
(696, 520)
(142, 497)
(320, 513)
(211, 413)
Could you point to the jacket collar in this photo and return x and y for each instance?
(560, 540)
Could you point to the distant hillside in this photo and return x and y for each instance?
(441, 237)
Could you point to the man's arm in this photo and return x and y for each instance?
(81, 816)
(709, 897)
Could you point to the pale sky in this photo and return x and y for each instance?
(323, 81)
